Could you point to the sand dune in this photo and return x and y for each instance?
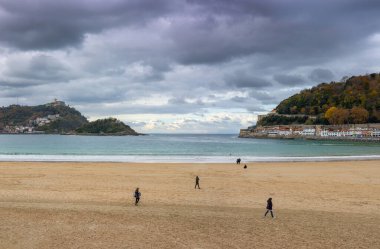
(90, 205)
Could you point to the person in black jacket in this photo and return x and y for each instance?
(269, 207)
(137, 196)
(197, 182)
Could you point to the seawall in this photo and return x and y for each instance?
(246, 133)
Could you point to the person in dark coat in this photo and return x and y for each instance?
(197, 182)
(269, 207)
(137, 195)
(238, 161)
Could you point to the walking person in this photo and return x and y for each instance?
(238, 161)
(197, 182)
(137, 195)
(269, 207)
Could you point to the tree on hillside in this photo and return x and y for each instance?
(357, 91)
(329, 113)
(337, 116)
(106, 126)
(359, 115)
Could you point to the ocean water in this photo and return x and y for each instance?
(177, 148)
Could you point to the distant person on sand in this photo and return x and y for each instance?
(197, 182)
(238, 161)
(137, 196)
(269, 207)
(245, 166)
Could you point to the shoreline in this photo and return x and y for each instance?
(313, 138)
(179, 159)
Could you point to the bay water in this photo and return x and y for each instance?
(177, 148)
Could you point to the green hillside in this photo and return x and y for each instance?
(109, 126)
(355, 100)
(58, 118)
(16, 115)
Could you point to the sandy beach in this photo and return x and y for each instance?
(91, 205)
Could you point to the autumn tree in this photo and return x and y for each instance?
(329, 113)
(359, 115)
(342, 116)
(337, 116)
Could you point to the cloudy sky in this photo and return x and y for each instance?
(194, 66)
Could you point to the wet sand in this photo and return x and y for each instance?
(91, 205)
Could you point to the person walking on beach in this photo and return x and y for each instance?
(269, 207)
(238, 161)
(137, 196)
(197, 182)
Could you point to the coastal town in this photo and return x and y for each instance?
(336, 132)
(32, 126)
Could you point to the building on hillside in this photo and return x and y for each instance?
(53, 117)
(56, 102)
(42, 121)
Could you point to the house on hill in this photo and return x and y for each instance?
(56, 102)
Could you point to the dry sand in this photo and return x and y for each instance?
(90, 205)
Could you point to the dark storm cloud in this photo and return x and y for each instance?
(10, 92)
(243, 79)
(291, 30)
(289, 80)
(201, 31)
(40, 68)
(321, 75)
(45, 24)
(265, 97)
(261, 95)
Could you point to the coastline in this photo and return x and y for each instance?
(179, 159)
(316, 138)
(90, 205)
(368, 132)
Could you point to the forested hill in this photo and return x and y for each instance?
(356, 99)
(62, 118)
(57, 118)
(109, 126)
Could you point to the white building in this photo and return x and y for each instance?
(272, 132)
(42, 121)
(284, 132)
(375, 133)
(308, 132)
(336, 133)
(53, 117)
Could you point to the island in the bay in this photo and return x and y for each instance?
(57, 118)
(346, 110)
